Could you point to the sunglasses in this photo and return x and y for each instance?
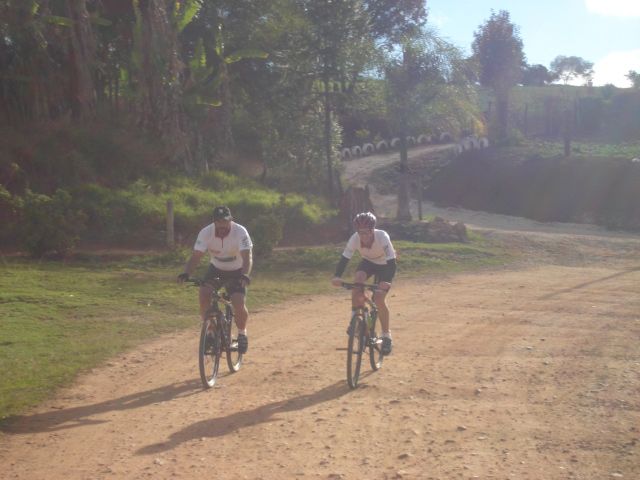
(364, 232)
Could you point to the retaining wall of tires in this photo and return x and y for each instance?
(467, 143)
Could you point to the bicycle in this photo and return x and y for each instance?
(362, 336)
(217, 336)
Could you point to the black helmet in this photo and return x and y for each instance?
(222, 213)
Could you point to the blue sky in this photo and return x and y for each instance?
(605, 32)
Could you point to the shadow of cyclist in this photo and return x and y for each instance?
(79, 416)
(217, 427)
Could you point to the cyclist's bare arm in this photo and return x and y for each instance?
(193, 262)
(247, 261)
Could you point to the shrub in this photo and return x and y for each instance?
(266, 232)
(50, 224)
(10, 207)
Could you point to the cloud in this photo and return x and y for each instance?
(614, 8)
(438, 19)
(614, 67)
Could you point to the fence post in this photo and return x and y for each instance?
(419, 196)
(170, 233)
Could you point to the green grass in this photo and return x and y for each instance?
(59, 319)
(546, 149)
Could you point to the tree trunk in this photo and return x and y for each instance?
(566, 132)
(419, 195)
(502, 113)
(327, 137)
(81, 60)
(404, 212)
(160, 73)
(227, 142)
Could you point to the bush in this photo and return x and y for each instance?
(9, 210)
(266, 232)
(50, 224)
(137, 214)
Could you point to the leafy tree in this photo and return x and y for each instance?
(219, 36)
(338, 31)
(430, 71)
(634, 77)
(497, 49)
(536, 75)
(568, 68)
(395, 19)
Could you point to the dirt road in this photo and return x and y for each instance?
(530, 372)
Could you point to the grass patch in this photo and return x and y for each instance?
(59, 319)
(548, 149)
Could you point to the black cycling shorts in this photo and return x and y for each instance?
(230, 279)
(381, 273)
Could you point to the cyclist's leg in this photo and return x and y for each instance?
(357, 294)
(363, 271)
(237, 294)
(206, 291)
(240, 312)
(380, 298)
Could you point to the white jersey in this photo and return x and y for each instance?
(224, 252)
(380, 251)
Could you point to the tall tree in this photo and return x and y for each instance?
(568, 68)
(428, 70)
(394, 20)
(82, 59)
(337, 29)
(158, 78)
(221, 35)
(536, 75)
(634, 78)
(497, 49)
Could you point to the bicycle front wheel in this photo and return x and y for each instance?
(375, 346)
(375, 352)
(234, 357)
(209, 353)
(355, 348)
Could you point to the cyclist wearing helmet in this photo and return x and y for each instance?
(229, 247)
(378, 259)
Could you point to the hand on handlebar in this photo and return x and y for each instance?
(336, 281)
(183, 277)
(245, 280)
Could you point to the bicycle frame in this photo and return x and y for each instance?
(216, 337)
(362, 335)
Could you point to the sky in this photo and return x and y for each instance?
(605, 32)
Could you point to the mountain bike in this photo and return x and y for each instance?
(362, 335)
(218, 334)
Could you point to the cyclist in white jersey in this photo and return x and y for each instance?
(229, 247)
(379, 260)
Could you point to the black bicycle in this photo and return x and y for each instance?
(218, 334)
(362, 336)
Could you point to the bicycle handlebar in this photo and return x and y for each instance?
(216, 284)
(198, 282)
(364, 286)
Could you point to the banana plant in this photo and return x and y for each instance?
(210, 75)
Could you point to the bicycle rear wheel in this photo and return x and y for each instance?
(355, 347)
(209, 353)
(234, 357)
